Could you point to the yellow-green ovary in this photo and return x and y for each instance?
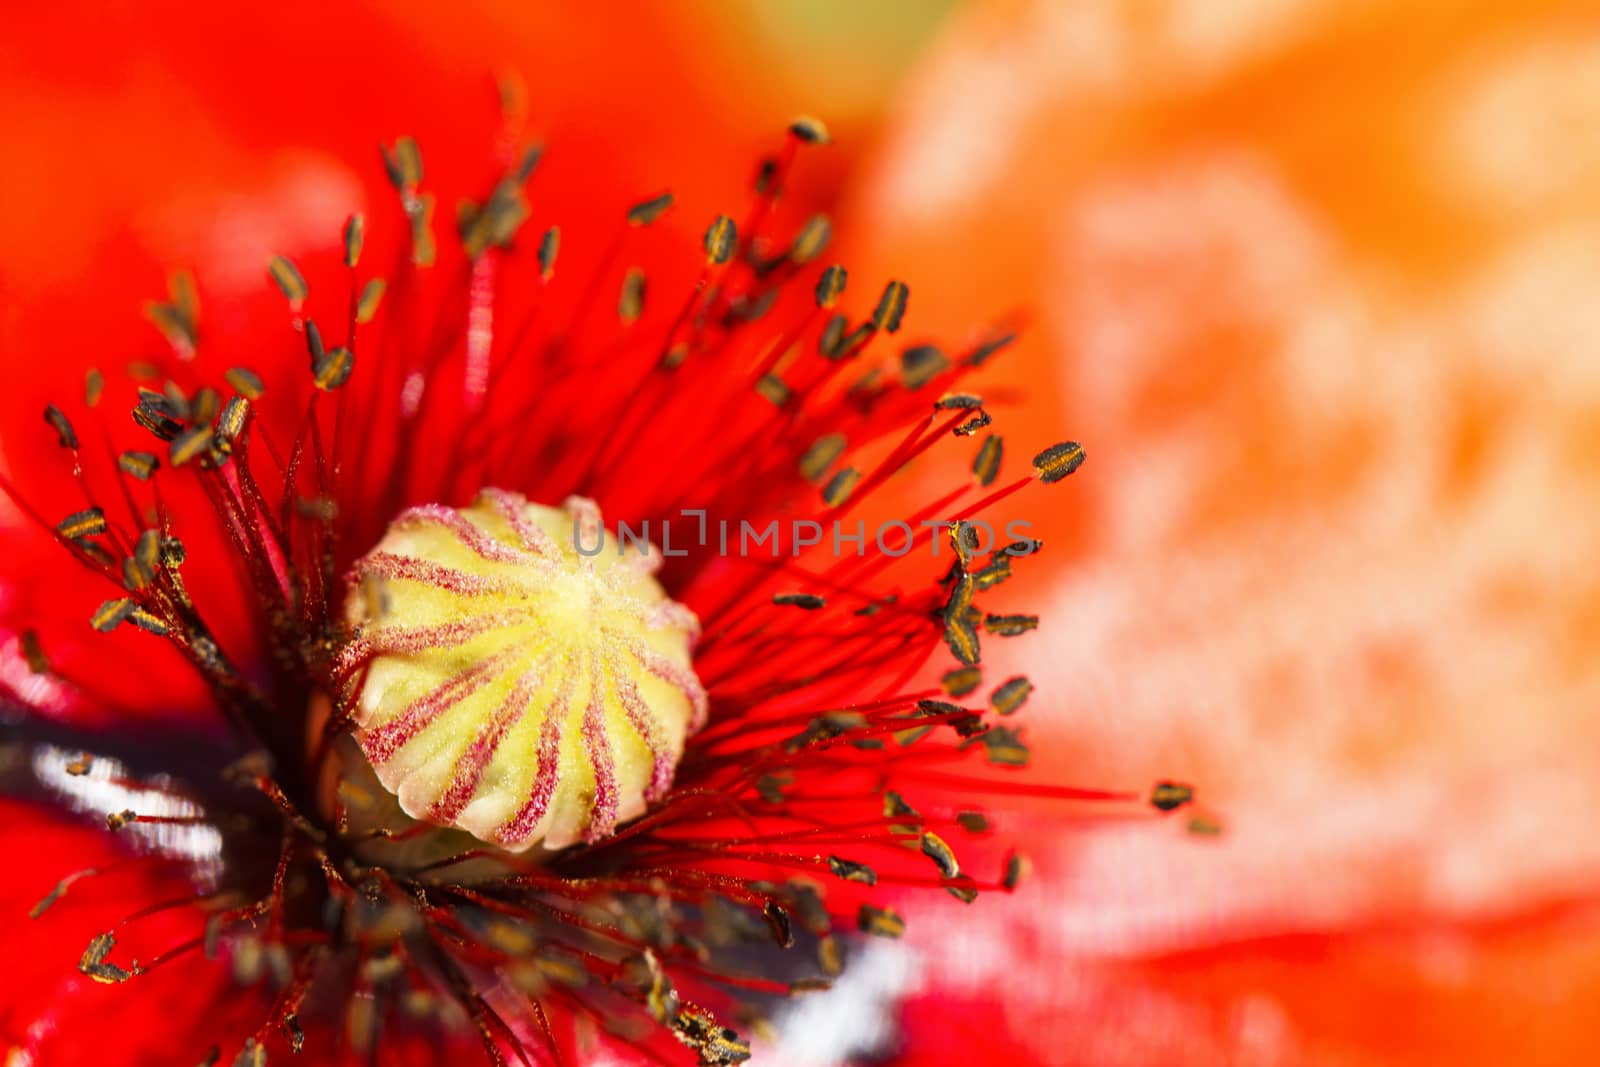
(506, 683)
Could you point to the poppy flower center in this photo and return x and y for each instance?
(518, 674)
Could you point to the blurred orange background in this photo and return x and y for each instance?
(1315, 283)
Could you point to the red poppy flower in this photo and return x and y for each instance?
(341, 626)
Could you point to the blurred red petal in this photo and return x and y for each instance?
(1311, 284)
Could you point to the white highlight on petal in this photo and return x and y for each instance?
(856, 1018)
(106, 788)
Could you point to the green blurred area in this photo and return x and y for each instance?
(845, 57)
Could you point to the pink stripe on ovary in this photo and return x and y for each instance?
(474, 761)
(408, 568)
(649, 728)
(382, 742)
(355, 655)
(681, 677)
(597, 744)
(672, 614)
(474, 537)
(587, 524)
(512, 508)
(406, 641)
(521, 825)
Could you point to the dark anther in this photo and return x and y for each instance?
(234, 415)
(840, 486)
(1010, 625)
(942, 855)
(154, 412)
(959, 632)
(354, 236)
(371, 297)
(998, 570)
(973, 822)
(778, 923)
(647, 211)
(809, 130)
(90, 522)
(93, 962)
(981, 354)
(139, 464)
(811, 240)
(1009, 697)
(1004, 747)
(774, 390)
(403, 164)
(63, 428)
(722, 237)
(111, 614)
(549, 245)
(1016, 869)
(630, 304)
(247, 383)
(895, 806)
(333, 370)
(289, 280)
(1058, 461)
(921, 364)
(852, 871)
(891, 307)
(314, 346)
(986, 465)
(831, 286)
(1026, 547)
(816, 460)
(148, 622)
(1167, 796)
(33, 652)
(973, 425)
(189, 444)
(881, 922)
(961, 681)
(831, 343)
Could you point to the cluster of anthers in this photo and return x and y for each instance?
(490, 769)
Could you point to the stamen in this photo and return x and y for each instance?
(961, 681)
(1058, 461)
(880, 922)
(290, 282)
(921, 364)
(516, 672)
(1009, 697)
(1169, 796)
(986, 465)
